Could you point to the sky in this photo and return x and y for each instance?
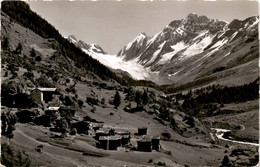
(112, 24)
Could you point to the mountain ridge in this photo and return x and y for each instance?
(192, 40)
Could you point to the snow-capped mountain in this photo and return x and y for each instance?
(137, 71)
(193, 48)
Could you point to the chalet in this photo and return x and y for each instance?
(96, 126)
(144, 145)
(110, 142)
(81, 126)
(43, 94)
(104, 132)
(125, 137)
(142, 131)
(156, 143)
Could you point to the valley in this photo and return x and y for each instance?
(179, 98)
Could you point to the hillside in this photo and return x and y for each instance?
(61, 107)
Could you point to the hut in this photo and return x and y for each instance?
(125, 137)
(96, 126)
(43, 94)
(144, 145)
(142, 131)
(110, 142)
(81, 126)
(104, 132)
(156, 143)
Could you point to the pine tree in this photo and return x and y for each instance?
(145, 97)
(32, 53)
(5, 43)
(138, 99)
(117, 100)
(19, 49)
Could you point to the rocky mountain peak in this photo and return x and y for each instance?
(72, 38)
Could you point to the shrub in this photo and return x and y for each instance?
(38, 58)
(80, 103)
(92, 101)
(29, 75)
(225, 161)
(103, 100)
(32, 53)
(93, 109)
(5, 43)
(73, 131)
(19, 49)
(117, 99)
(9, 157)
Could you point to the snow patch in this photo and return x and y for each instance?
(252, 25)
(138, 39)
(168, 56)
(233, 35)
(197, 47)
(156, 53)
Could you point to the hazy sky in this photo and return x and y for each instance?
(113, 24)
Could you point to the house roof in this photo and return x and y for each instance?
(142, 127)
(110, 137)
(53, 108)
(45, 89)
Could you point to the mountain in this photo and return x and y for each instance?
(199, 48)
(115, 63)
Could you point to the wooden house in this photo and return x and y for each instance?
(110, 142)
(156, 143)
(142, 131)
(43, 94)
(144, 145)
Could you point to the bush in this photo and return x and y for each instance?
(166, 134)
(5, 43)
(11, 158)
(93, 109)
(73, 131)
(68, 101)
(19, 49)
(32, 53)
(225, 161)
(38, 58)
(29, 75)
(80, 103)
(92, 101)
(103, 100)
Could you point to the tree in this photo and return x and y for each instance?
(10, 158)
(32, 53)
(225, 162)
(8, 124)
(117, 100)
(5, 43)
(19, 48)
(138, 98)
(145, 97)
(38, 58)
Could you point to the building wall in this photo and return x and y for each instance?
(36, 95)
(144, 146)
